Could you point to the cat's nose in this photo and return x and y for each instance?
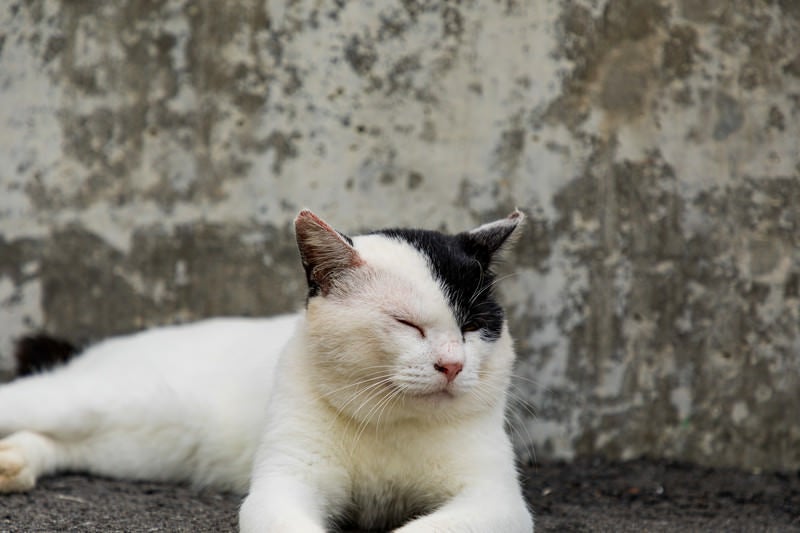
(450, 369)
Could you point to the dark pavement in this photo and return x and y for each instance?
(587, 495)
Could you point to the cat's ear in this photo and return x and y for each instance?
(489, 240)
(326, 253)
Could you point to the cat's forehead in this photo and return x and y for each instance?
(428, 259)
(442, 256)
(446, 256)
(395, 256)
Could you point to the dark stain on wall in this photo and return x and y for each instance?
(678, 53)
(108, 140)
(360, 55)
(91, 290)
(615, 50)
(510, 150)
(693, 314)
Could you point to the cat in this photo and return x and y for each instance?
(381, 405)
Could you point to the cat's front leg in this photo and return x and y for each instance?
(281, 504)
(485, 509)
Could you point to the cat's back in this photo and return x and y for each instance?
(206, 364)
(202, 346)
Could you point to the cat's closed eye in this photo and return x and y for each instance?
(411, 325)
(470, 326)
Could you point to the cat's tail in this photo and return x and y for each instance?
(39, 352)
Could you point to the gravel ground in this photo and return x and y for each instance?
(587, 495)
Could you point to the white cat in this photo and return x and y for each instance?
(381, 405)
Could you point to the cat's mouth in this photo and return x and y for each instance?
(441, 394)
(427, 391)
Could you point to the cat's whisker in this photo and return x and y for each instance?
(513, 393)
(369, 390)
(347, 442)
(378, 373)
(535, 382)
(483, 396)
(518, 409)
(392, 399)
(526, 440)
(398, 397)
(490, 391)
(371, 384)
(478, 285)
(377, 376)
(489, 286)
(364, 421)
(516, 399)
(373, 395)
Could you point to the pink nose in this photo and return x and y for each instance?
(449, 369)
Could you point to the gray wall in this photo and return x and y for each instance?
(153, 155)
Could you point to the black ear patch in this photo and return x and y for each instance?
(37, 353)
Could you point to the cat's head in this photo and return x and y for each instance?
(403, 323)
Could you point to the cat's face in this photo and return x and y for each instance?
(403, 323)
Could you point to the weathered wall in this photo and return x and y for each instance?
(153, 154)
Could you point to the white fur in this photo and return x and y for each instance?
(336, 412)
(175, 403)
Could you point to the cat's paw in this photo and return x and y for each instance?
(16, 474)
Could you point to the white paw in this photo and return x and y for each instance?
(15, 473)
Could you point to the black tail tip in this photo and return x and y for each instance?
(40, 352)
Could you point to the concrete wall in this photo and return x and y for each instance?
(153, 155)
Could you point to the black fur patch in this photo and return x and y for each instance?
(462, 265)
(36, 353)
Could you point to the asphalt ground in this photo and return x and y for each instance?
(584, 495)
